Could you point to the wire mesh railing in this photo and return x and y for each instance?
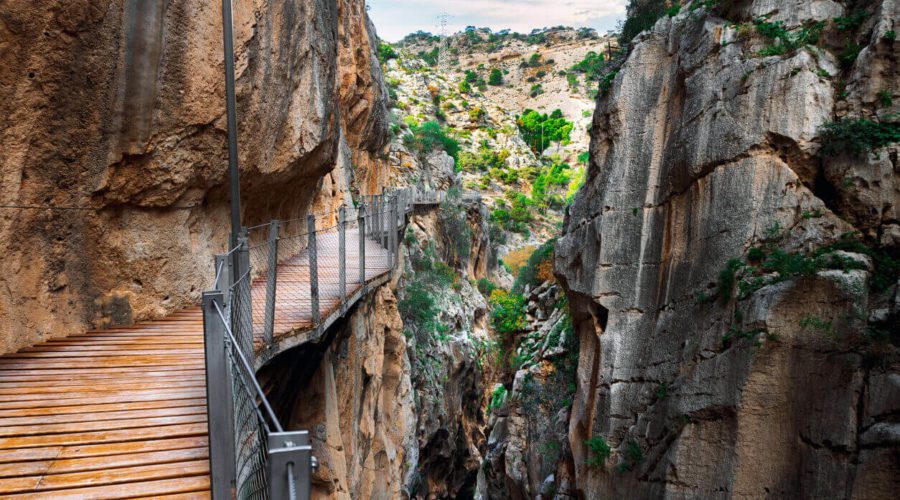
(279, 278)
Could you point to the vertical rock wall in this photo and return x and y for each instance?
(702, 149)
(113, 112)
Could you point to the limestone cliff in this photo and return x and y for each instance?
(113, 113)
(735, 340)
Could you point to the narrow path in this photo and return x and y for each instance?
(122, 412)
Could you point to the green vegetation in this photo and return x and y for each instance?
(535, 60)
(769, 264)
(536, 90)
(430, 277)
(599, 451)
(498, 397)
(485, 286)
(538, 130)
(642, 15)
(430, 57)
(386, 51)
(591, 66)
(507, 312)
(485, 159)
(428, 137)
(857, 137)
(453, 219)
(496, 77)
(538, 268)
(784, 41)
(885, 98)
(518, 216)
(852, 21)
(632, 457)
(464, 87)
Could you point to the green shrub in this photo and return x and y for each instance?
(428, 137)
(852, 21)
(538, 130)
(535, 60)
(465, 87)
(885, 98)
(496, 77)
(572, 79)
(430, 57)
(386, 51)
(485, 286)
(785, 41)
(642, 15)
(536, 90)
(857, 137)
(599, 451)
(498, 397)
(507, 312)
(591, 66)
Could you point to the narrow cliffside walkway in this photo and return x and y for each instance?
(122, 412)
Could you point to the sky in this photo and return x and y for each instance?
(394, 19)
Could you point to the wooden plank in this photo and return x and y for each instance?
(98, 437)
(104, 477)
(101, 353)
(96, 373)
(104, 462)
(103, 416)
(134, 379)
(153, 489)
(101, 450)
(89, 399)
(97, 407)
(98, 425)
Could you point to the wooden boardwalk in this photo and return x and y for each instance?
(122, 412)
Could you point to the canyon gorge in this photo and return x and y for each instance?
(665, 263)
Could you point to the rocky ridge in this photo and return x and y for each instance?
(741, 343)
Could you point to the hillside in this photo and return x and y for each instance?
(524, 171)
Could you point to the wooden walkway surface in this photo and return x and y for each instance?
(122, 412)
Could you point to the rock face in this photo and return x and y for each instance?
(448, 352)
(354, 393)
(701, 150)
(116, 109)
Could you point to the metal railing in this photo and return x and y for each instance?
(284, 277)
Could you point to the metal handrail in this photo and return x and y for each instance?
(249, 371)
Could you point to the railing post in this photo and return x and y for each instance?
(342, 258)
(392, 233)
(219, 408)
(362, 248)
(290, 465)
(242, 321)
(313, 269)
(271, 282)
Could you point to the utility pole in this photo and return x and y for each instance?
(231, 112)
(443, 56)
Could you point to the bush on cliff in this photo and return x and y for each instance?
(428, 137)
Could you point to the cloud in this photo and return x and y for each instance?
(396, 18)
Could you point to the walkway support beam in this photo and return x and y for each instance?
(313, 270)
(219, 408)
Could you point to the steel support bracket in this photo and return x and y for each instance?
(290, 465)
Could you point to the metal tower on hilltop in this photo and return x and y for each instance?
(444, 47)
